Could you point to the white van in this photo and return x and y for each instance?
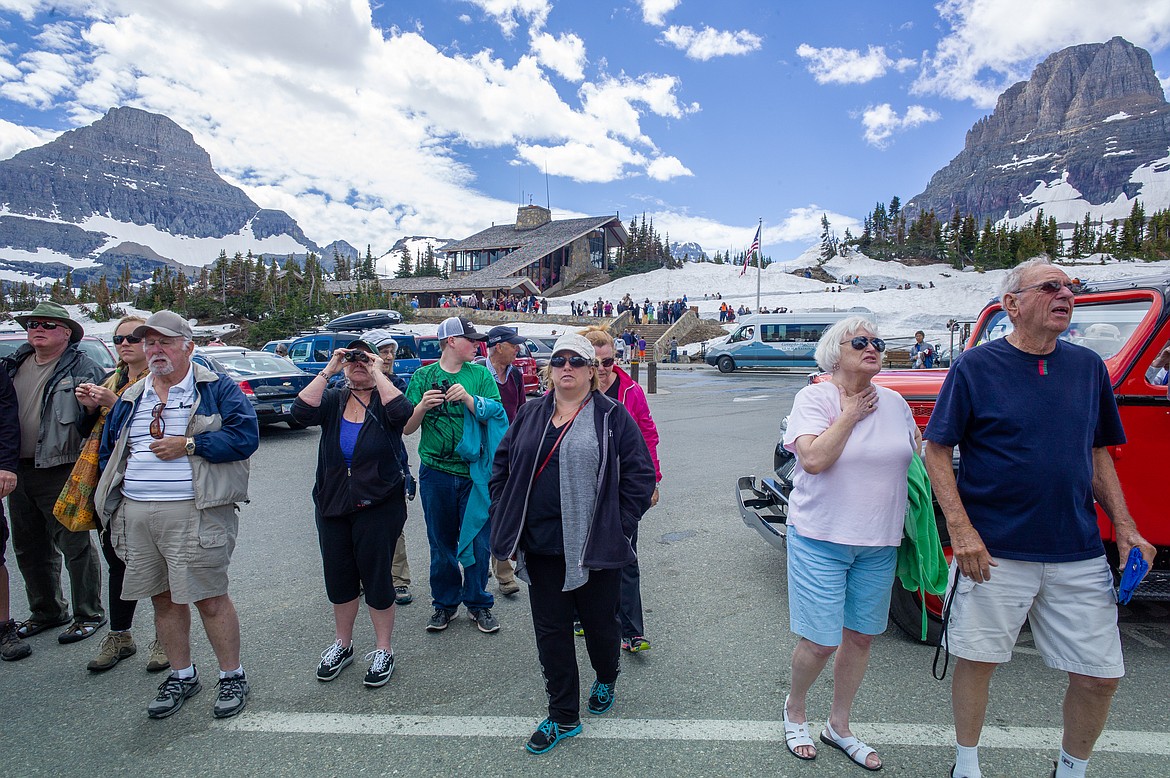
(776, 340)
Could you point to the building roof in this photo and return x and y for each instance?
(530, 245)
(428, 284)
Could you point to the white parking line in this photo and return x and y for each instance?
(1031, 738)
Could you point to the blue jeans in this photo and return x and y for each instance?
(444, 499)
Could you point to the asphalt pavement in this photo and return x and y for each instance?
(704, 701)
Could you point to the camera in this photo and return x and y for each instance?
(356, 356)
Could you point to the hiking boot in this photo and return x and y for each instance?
(484, 619)
(115, 647)
(508, 588)
(635, 644)
(601, 697)
(439, 620)
(381, 668)
(172, 693)
(12, 645)
(402, 595)
(233, 696)
(158, 657)
(333, 660)
(549, 733)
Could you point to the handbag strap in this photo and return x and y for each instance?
(557, 442)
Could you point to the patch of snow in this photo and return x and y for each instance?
(1117, 153)
(1017, 163)
(1116, 117)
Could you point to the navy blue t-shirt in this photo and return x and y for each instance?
(1026, 426)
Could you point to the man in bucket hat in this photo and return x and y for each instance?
(44, 373)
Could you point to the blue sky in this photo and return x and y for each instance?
(437, 117)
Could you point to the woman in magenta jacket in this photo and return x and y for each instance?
(616, 384)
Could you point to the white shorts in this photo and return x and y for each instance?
(1071, 607)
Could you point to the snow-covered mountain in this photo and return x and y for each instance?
(691, 252)
(416, 245)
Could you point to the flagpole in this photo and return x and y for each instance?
(759, 262)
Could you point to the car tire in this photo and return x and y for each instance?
(726, 364)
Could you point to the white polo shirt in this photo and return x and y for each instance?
(147, 476)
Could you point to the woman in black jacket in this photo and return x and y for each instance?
(360, 498)
(570, 480)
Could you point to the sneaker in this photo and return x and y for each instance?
(411, 487)
(381, 668)
(158, 657)
(172, 693)
(484, 619)
(12, 645)
(601, 697)
(402, 595)
(578, 630)
(548, 734)
(509, 588)
(233, 696)
(333, 660)
(115, 647)
(439, 620)
(635, 644)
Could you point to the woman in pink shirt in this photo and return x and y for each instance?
(853, 443)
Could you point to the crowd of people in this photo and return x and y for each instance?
(491, 302)
(641, 312)
(550, 492)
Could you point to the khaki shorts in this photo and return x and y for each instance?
(172, 546)
(1071, 607)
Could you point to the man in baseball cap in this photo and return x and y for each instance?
(167, 323)
(458, 326)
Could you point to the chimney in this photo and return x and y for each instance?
(529, 217)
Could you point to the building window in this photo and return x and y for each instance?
(597, 250)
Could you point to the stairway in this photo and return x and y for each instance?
(652, 333)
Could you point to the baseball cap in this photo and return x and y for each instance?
(458, 326)
(378, 338)
(577, 344)
(498, 335)
(166, 323)
(364, 343)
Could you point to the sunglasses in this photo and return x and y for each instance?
(120, 339)
(1052, 287)
(570, 361)
(157, 425)
(607, 362)
(44, 325)
(860, 342)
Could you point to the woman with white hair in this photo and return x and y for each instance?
(853, 443)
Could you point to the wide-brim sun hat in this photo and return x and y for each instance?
(47, 310)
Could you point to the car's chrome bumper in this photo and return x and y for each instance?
(763, 507)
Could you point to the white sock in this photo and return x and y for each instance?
(239, 671)
(967, 762)
(1070, 766)
(187, 673)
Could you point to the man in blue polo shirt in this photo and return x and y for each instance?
(1033, 416)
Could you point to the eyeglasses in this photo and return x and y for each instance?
(860, 342)
(157, 424)
(1052, 287)
(44, 325)
(120, 339)
(607, 362)
(571, 361)
(165, 342)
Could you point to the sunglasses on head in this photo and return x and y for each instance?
(44, 325)
(120, 339)
(1052, 287)
(570, 361)
(860, 342)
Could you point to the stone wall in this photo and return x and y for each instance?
(492, 318)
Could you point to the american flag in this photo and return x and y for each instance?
(751, 252)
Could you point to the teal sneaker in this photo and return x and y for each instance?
(548, 734)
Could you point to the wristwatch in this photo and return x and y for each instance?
(190, 447)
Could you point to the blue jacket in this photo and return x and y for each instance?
(482, 432)
(223, 424)
(625, 481)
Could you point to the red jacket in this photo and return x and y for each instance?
(634, 399)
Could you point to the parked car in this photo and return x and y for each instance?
(312, 351)
(271, 345)
(540, 349)
(93, 347)
(270, 383)
(774, 340)
(379, 318)
(1127, 323)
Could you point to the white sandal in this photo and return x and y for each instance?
(797, 735)
(851, 746)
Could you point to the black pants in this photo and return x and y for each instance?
(631, 597)
(357, 552)
(596, 605)
(121, 611)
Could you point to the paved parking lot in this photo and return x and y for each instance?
(704, 701)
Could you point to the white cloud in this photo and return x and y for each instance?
(882, 121)
(832, 65)
(798, 225)
(14, 138)
(564, 54)
(707, 43)
(507, 13)
(992, 44)
(358, 139)
(655, 11)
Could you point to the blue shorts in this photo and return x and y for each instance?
(833, 586)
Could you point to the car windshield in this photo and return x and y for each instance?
(1103, 327)
(244, 365)
(90, 347)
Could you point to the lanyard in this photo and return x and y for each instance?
(557, 442)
